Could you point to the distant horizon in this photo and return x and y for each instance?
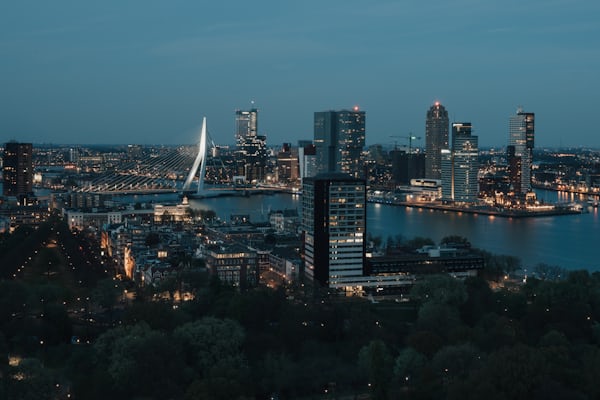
(294, 144)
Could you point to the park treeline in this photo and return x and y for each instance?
(453, 339)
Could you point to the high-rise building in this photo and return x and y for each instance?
(465, 147)
(339, 140)
(251, 154)
(288, 169)
(514, 169)
(334, 225)
(521, 135)
(407, 166)
(436, 139)
(246, 123)
(74, 156)
(447, 163)
(307, 158)
(460, 166)
(18, 169)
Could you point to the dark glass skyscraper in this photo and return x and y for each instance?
(407, 166)
(251, 153)
(436, 139)
(18, 169)
(339, 141)
(334, 223)
(521, 135)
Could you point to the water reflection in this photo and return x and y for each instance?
(569, 241)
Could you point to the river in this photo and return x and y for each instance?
(568, 241)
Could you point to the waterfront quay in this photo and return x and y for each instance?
(239, 191)
(539, 211)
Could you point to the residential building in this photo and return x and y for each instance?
(13, 216)
(233, 264)
(85, 200)
(460, 166)
(81, 220)
(285, 261)
(17, 169)
(284, 220)
(447, 180)
(334, 226)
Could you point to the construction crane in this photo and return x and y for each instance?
(410, 139)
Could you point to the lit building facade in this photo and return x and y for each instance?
(307, 158)
(465, 147)
(514, 169)
(339, 138)
(233, 264)
(460, 166)
(17, 169)
(334, 225)
(436, 139)
(521, 135)
(246, 123)
(288, 169)
(251, 153)
(447, 175)
(81, 220)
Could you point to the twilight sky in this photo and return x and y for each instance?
(146, 71)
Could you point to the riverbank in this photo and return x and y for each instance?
(556, 210)
(569, 242)
(566, 189)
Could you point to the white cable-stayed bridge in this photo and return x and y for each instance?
(174, 170)
(171, 170)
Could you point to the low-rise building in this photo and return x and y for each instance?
(171, 213)
(233, 264)
(15, 216)
(81, 220)
(284, 220)
(286, 262)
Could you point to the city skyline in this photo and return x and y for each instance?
(147, 73)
